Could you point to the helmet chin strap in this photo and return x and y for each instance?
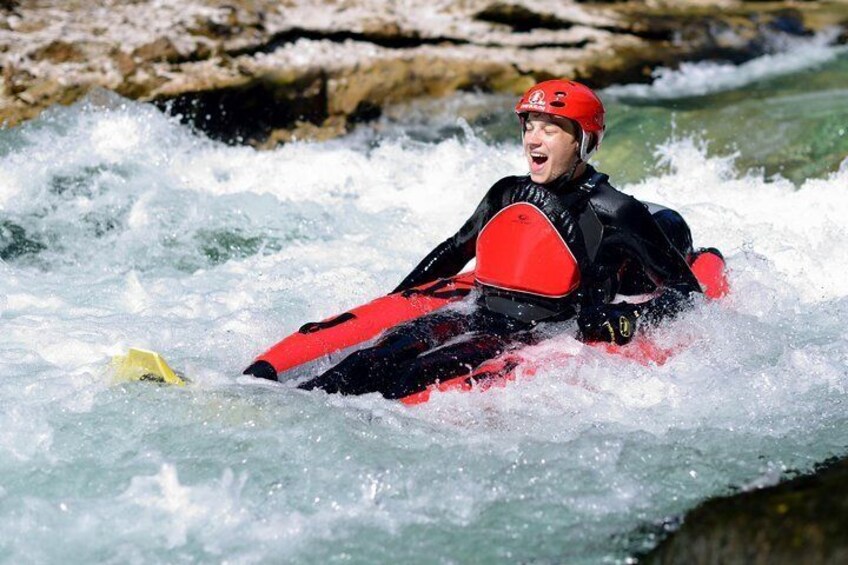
(583, 153)
(570, 175)
(582, 156)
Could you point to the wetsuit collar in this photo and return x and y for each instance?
(564, 184)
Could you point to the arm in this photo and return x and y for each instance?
(649, 246)
(617, 323)
(444, 261)
(637, 233)
(455, 252)
(670, 271)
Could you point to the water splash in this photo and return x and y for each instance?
(789, 55)
(210, 253)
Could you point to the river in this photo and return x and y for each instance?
(121, 227)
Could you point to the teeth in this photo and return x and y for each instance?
(536, 155)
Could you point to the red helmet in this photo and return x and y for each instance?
(570, 100)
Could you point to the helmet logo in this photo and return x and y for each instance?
(536, 100)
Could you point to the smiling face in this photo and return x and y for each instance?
(551, 146)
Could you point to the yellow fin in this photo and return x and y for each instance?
(144, 365)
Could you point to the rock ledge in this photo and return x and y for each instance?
(263, 72)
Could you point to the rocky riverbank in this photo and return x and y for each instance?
(264, 72)
(802, 520)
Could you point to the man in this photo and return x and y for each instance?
(550, 245)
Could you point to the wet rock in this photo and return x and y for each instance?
(519, 17)
(249, 109)
(158, 50)
(9, 5)
(306, 131)
(15, 242)
(389, 81)
(802, 520)
(250, 70)
(59, 52)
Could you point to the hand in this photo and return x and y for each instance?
(612, 323)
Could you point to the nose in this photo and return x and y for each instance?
(531, 137)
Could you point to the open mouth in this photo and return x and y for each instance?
(538, 158)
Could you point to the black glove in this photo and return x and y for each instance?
(613, 323)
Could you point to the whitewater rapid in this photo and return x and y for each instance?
(119, 227)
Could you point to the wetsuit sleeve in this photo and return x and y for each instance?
(664, 264)
(455, 252)
(617, 323)
(633, 230)
(649, 246)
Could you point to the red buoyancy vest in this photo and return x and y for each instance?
(519, 249)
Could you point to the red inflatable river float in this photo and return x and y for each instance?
(316, 340)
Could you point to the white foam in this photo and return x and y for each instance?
(174, 509)
(707, 77)
(9, 188)
(261, 472)
(113, 137)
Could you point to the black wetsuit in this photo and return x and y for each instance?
(607, 232)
